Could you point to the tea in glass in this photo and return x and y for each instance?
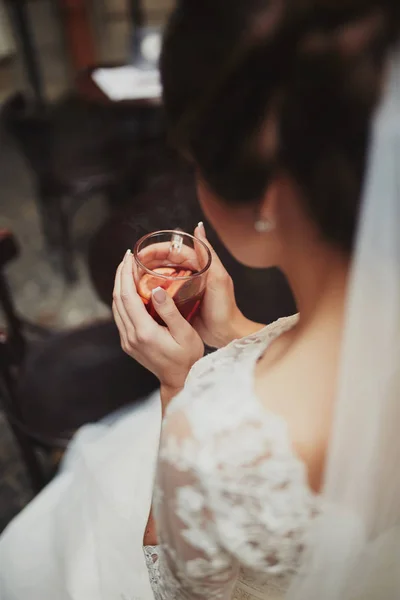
(177, 262)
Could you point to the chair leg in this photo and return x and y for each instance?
(57, 234)
(46, 210)
(23, 31)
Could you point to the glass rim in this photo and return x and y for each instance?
(172, 231)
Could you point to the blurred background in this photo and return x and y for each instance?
(85, 170)
(44, 46)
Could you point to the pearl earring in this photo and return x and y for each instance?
(263, 226)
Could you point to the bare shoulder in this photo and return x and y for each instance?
(296, 379)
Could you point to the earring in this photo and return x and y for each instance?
(263, 226)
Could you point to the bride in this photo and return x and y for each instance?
(278, 461)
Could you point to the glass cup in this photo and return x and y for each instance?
(177, 262)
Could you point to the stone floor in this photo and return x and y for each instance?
(41, 294)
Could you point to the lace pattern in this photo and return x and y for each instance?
(232, 501)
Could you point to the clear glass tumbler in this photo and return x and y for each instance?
(177, 262)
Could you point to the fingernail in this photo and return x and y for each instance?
(127, 253)
(159, 295)
(200, 225)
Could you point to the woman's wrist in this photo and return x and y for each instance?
(167, 394)
(240, 327)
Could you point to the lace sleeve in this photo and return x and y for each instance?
(191, 562)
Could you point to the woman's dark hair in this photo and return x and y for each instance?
(253, 87)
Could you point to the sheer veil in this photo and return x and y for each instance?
(355, 545)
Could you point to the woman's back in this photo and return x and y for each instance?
(232, 493)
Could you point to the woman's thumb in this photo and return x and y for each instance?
(166, 309)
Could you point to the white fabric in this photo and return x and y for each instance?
(355, 549)
(82, 537)
(232, 500)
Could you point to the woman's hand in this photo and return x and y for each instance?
(220, 320)
(168, 352)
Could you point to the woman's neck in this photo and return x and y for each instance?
(318, 281)
(318, 278)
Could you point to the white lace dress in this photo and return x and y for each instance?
(232, 502)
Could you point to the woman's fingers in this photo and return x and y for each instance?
(132, 314)
(217, 269)
(121, 327)
(166, 309)
(130, 299)
(117, 282)
(117, 300)
(200, 233)
(131, 317)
